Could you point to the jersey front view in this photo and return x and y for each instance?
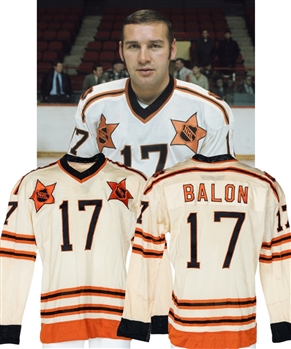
(183, 120)
(224, 217)
(81, 223)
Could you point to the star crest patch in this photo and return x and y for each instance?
(119, 192)
(42, 195)
(104, 133)
(188, 133)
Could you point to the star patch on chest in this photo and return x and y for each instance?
(104, 133)
(188, 133)
(42, 195)
(119, 192)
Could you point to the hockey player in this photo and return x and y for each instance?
(151, 121)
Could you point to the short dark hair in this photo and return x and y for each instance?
(148, 16)
(96, 65)
(57, 61)
(180, 59)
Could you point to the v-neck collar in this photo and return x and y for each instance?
(147, 113)
(98, 159)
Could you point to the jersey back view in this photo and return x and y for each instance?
(81, 224)
(224, 217)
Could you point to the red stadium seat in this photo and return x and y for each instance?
(85, 68)
(43, 67)
(90, 56)
(49, 56)
(115, 35)
(49, 35)
(107, 56)
(110, 46)
(42, 25)
(94, 46)
(42, 45)
(103, 35)
(56, 46)
(54, 25)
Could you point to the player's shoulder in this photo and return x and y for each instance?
(108, 88)
(35, 175)
(188, 88)
(169, 175)
(119, 167)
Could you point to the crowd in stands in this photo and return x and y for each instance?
(212, 64)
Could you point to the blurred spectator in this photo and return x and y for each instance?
(210, 73)
(205, 50)
(56, 85)
(227, 52)
(247, 85)
(181, 72)
(95, 78)
(197, 78)
(116, 72)
(220, 89)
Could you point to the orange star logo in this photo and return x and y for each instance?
(42, 195)
(119, 192)
(188, 133)
(104, 133)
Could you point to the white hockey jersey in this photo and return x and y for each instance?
(183, 120)
(223, 217)
(82, 224)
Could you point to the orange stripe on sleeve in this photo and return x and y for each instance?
(16, 254)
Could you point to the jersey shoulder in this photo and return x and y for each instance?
(110, 87)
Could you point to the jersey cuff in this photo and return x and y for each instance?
(281, 332)
(10, 334)
(159, 324)
(134, 329)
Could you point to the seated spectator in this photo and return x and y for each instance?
(210, 73)
(56, 85)
(94, 78)
(247, 85)
(197, 78)
(116, 72)
(220, 89)
(181, 72)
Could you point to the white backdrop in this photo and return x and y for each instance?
(18, 144)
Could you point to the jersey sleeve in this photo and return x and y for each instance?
(275, 268)
(219, 123)
(139, 317)
(83, 141)
(17, 260)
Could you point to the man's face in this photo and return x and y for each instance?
(249, 80)
(195, 70)
(219, 82)
(118, 67)
(58, 68)
(227, 35)
(205, 34)
(147, 55)
(179, 65)
(98, 72)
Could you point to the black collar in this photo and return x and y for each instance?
(216, 158)
(152, 108)
(98, 160)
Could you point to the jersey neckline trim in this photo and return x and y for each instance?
(98, 159)
(145, 113)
